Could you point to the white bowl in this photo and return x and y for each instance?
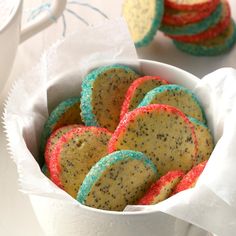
(99, 222)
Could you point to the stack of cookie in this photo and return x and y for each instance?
(199, 27)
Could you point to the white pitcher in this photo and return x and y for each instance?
(12, 34)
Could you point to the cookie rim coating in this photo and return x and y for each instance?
(156, 23)
(157, 186)
(53, 118)
(54, 163)
(196, 6)
(98, 169)
(190, 178)
(87, 114)
(195, 49)
(188, 17)
(209, 33)
(163, 88)
(132, 89)
(194, 28)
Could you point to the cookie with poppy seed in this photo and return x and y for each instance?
(138, 90)
(74, 155)
(117, 180)
(205, 140)
(143, 18)
(196, 27)
(66, 113)
(162, 132)
(103, 93)
(190, 179)
(162, 188)
(177, 96)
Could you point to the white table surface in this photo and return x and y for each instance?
(16, 214)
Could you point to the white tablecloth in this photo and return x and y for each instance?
(16, 215)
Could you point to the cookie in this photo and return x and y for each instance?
(194, 28)
(74, 155)
(103, 93)
(66, 113)
(161, 132)
(53, 139)
(189, 5)
(204, 139)
(137, 91)
(181, 17)
(143, 18)
(177, 96)
(117, 180)
(46, 171)
(190, 179)
(162, 188)
(211, 32)
(211, 47)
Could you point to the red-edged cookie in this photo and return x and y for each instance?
(190, 179)
(53, 139)
(162, 132)
(138, 90)
(161, 189)
(75, 154)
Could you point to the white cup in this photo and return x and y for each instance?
(12, 34)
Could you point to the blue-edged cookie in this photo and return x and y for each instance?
(211, 47)
(194, 28)
(103, 93)
(177, 96)
(117, 180)
(143, 18)
(66, 113)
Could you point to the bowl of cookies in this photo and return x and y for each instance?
(129, 137)
(123, 147)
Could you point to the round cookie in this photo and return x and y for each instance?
(53, 139)
(66, 113)
(162, 188)
(103, 93)
(211, 47)
(117, 180)
(74, 155)
(177, 96)
(190, 5)
(190, 179)
(137, 91)
(194, 28)
(143, 18)
(211, 32)
(205, 140)
(180, 17)
(162, 132)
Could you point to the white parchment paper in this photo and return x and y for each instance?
(210, 205)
